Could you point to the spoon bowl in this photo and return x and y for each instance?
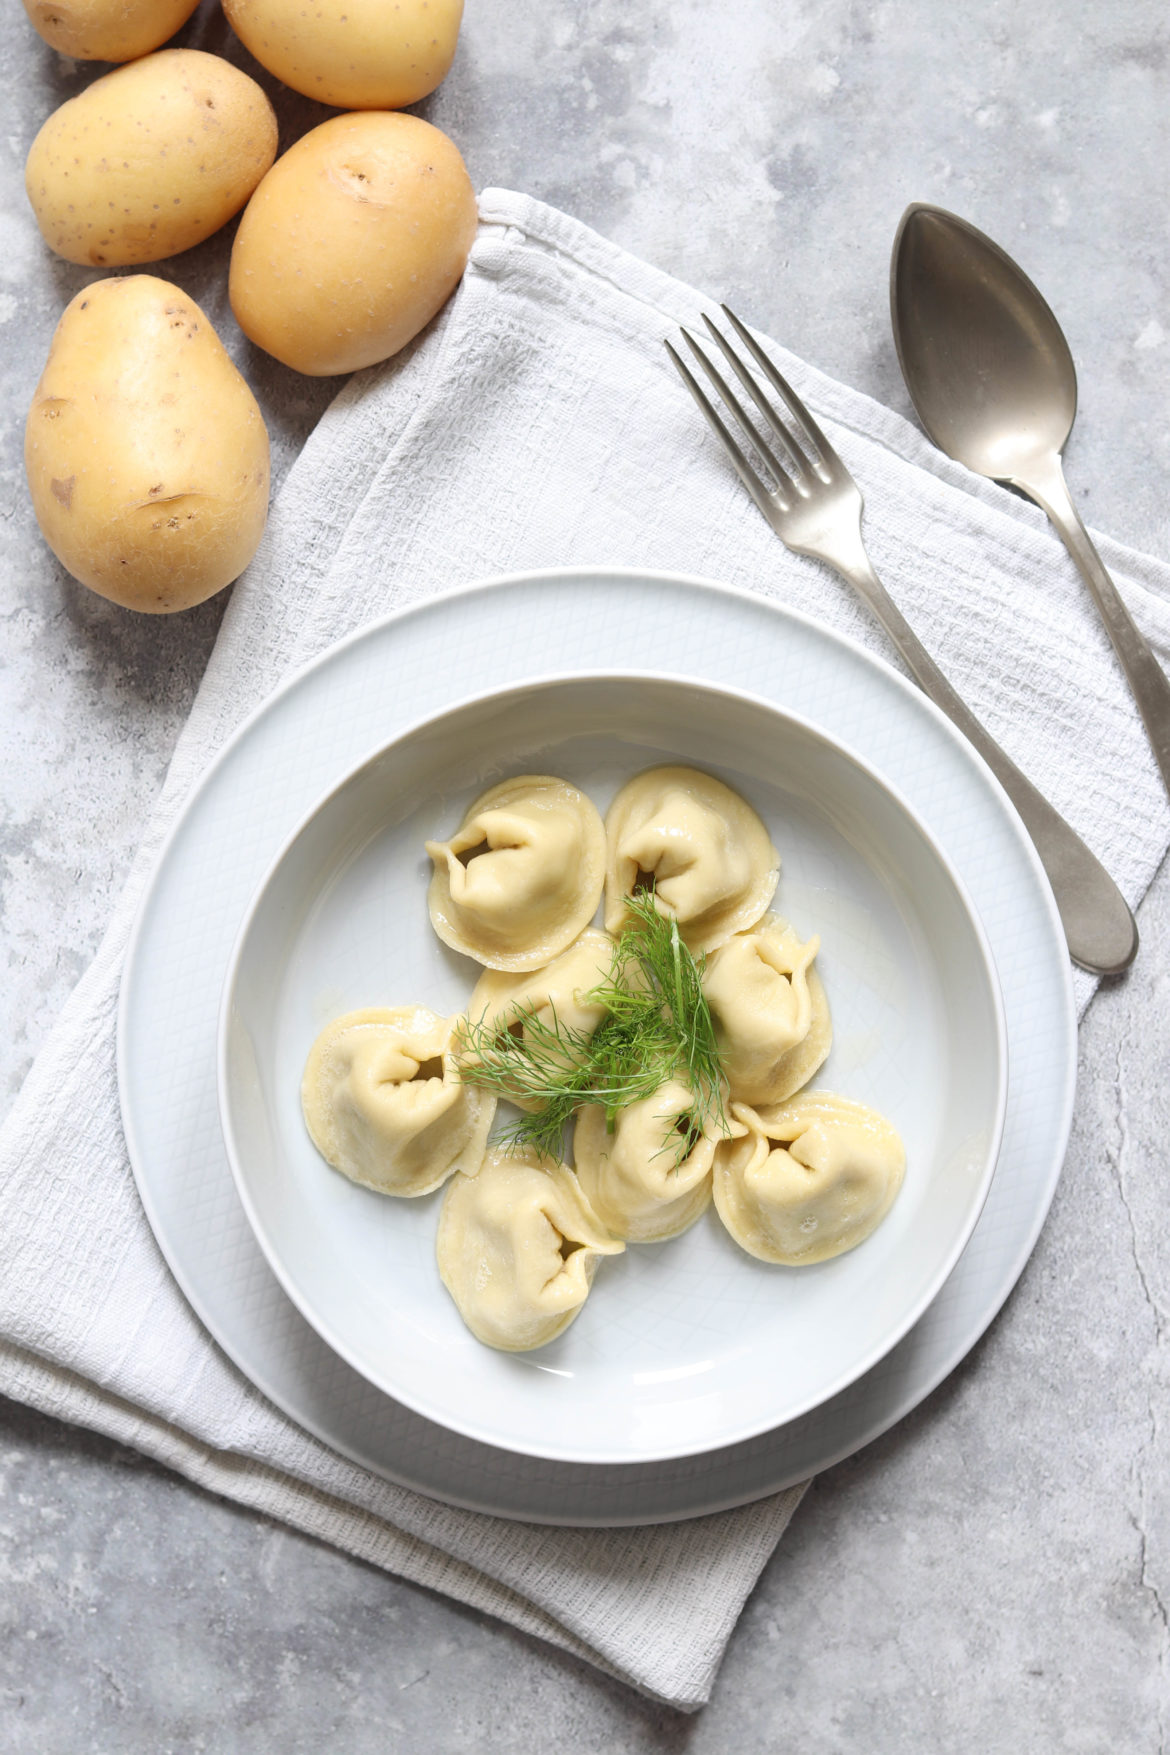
(986, 364)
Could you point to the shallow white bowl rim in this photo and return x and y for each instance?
(442, 1414)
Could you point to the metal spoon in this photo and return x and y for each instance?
(993, 381)
(992, 378)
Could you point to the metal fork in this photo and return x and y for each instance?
(814, 506)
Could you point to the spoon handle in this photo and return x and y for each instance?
(1147, 679)
(1101, 932)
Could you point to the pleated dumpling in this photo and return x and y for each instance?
(769, 1009)
(650, 1178)
(522, 876)
(555, 997)
(517, 1248)
(384, 1103)
(698, 845)
(808, 1179)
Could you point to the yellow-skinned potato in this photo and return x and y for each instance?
(146, 454)
(108, 30)
(357, 54)
(352, 242)
(149, 159)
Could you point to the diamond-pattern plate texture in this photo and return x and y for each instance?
(361, 695)
(691, 1345)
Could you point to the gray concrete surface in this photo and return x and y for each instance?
(995, 1574)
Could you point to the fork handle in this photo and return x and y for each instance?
(1101, 931)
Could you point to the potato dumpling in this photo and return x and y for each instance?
(108, 30)
(146, 454)
(357, 54)
(352, 242)
(149, 159)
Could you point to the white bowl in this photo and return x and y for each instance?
(683, 1346)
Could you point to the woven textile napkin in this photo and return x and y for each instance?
(537, 423)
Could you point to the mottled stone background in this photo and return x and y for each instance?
(992, 1576)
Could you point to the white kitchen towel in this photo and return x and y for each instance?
(537, 423)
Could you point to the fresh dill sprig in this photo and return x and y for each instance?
(657, 1026)
(651, 952)
(553, 1069)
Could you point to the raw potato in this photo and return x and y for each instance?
(146, 454)
(352, 242)
(357, 54)
(150, 159)
(108, 30)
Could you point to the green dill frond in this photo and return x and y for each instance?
(651, 954)
(656, 1027)
(520, 1056)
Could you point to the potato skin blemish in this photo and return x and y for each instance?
(163, 534)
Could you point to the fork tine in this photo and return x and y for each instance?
(737, 409)
(797, 461)
(795, 406)
(743, 468)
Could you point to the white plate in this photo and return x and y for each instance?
(684, 1346)
(365, 691)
